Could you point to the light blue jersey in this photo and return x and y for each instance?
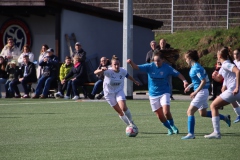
(198, 73)
(158, 77)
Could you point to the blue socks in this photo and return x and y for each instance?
(167, 125)
(191, 124)
(171, 122)
(209, 114)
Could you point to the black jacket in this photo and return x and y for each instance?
(31, 72)
(13, 73)
(3, 73)
(51, 65)
(79, 72)
(81, 53)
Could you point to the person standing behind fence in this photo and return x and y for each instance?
(104, 62)
(231, 75)
(43, 53)
(113, 89)
(50, 68)
(159, 90)
(149, 55)
(3, 73)
(64, 70)
(200, 83)
(10, 51)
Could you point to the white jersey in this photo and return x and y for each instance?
(113, 81)
(237, 63)
(228, 75)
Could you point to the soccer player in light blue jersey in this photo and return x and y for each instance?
(159, 88)
(200, 84)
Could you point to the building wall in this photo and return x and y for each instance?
(103, 37)
(42, 30)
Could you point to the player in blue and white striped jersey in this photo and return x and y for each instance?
(200, 84)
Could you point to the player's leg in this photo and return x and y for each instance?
(216, 104)
(157, 109)
(165, 103)
(191, 122)
(111, 99)
(236, 109)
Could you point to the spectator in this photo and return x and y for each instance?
(79, 51)
(50, 66)
(10, 51)
(104, 62)
(11, 87)
(163, 45)
(79, 76)
(3, 73)
(43, 53)
(64, 70)
(216, 86)
(26, 51)
(150, 53)
(28, 75)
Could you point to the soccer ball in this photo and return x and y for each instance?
(131, 131)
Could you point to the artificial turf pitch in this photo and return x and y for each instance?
(59, 129)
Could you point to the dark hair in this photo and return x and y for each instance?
(25, 56)
(46, 46)
(3, 65)
(192, 54)
(10, 39)
(68, 57)
(225, 53)
(27, 46)
(170, 55)
(114, 57)
(238, 50)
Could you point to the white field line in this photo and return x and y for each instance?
(36, 103)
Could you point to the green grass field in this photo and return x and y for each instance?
(58, 129)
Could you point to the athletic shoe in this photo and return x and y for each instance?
(58, 94)
(188, 136)
(213, 136)
(66, 97)
(100, 96)
(75, 98)
(237, 119)
(175, 129)
(171, 98)
(91, 96)
(228, 120)
(170, 132)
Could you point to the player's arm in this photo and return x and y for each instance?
(237, 72)
(132, 64)
(217, 77)
(100, 70)
(132, 79)
(185, 83)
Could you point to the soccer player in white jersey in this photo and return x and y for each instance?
(231, 75)
(200, 84)
(113, 88)
(159, 88)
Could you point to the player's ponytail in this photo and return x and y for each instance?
(114, 57)
(193, 55)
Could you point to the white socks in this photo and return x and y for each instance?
(216, 124)
(125, 119)
(237, 111)
(128, 114)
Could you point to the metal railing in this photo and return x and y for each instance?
(181, 14)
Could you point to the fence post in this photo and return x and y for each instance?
(119, 5)
(172, 18)
(227, 14)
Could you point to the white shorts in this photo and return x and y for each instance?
(228, 96)
(113, 98)
(159, 101)
(201, 99)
